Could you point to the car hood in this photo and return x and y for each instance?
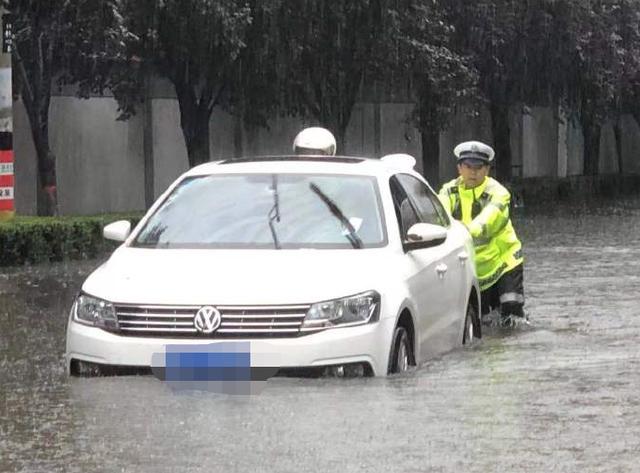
(224, 277)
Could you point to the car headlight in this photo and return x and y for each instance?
(353, 310)
(90, 310)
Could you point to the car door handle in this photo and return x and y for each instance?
(463, 257)
(441, 269)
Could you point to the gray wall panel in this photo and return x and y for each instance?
(630, 131)
(101, 165)
(169, 150)
(608, 159)
(397, 135)
(25, 165)
(99, 160)
(221, 135)
(575, 148)
(539, 143)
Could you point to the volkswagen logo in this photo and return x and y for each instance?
(207, 319)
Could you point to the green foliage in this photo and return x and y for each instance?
(333, 46)
(551, 52)
(33, 240)
(255, 93)
(195, 44)
(310, 58)
(628, 30)
(442, 78)
(64, 42)
(582, 55)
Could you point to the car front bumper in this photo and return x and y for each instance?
(368, 343)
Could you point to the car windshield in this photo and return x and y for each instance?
(280, 211)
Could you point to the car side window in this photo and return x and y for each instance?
(430, 209)
(405, 213)
(440, 209)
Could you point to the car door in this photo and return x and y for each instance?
(451, 258)
(421, 275)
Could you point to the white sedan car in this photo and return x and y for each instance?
(299, 262)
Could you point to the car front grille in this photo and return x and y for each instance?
(282, 321)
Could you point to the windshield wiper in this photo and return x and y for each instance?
(354, 239)
(274, 213)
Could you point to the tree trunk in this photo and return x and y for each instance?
(194, 121)
(195, 129)
(238, 145)
(431, 157)
(617, 130)
(342, 121)
(47, 195)
(147, 145)
(501, 140)
(591, 132)
(377, 131)
(36, 96)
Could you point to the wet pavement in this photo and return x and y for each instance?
(560, 395)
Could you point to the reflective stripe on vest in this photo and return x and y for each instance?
(490, 280)
(511, 297)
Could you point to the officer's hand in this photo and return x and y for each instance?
(475, 229)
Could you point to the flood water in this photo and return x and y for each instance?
(561, 395)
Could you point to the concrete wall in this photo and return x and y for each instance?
(101, 161)
(608, 159)
(169, 150)
(562, 151)
(25, 165)
(575, 148)
(100, 164)
(397, 135)
(539, 142)
(630, 131)
(277, 139)
(570, 146)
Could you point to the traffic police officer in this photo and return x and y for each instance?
(482, 204)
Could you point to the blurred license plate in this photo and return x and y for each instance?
(224, 361)
(220, 361)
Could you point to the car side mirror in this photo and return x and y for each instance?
(118, 231)
(424, 235)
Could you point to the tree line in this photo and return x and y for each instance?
(258, 59)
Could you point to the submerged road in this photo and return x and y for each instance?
(560, 395)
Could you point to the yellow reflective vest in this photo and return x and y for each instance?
(485, 212)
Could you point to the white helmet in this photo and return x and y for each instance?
(315, 140)
(474, 151)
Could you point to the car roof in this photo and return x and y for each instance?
(302, 164)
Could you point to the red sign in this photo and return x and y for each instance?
(6, 180)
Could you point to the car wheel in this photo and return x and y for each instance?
(401, 354)
(471, 326)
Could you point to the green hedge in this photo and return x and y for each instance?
(32, 240)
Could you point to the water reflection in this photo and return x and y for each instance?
(561, 395)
